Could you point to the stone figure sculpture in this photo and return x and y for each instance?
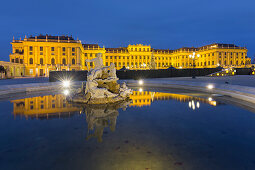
(101, 86)
(99, 117)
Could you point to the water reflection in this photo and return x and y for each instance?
(97, 117)
(57, 106)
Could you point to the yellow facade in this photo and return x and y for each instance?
(56, 105)
(41, 54)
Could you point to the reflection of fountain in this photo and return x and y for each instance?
(101, 86)
(99, 117)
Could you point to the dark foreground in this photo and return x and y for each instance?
(157, 131)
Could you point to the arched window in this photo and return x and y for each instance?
(52, 61)
(73, 61)
(30, 61)
(64, 61)
(41, 60)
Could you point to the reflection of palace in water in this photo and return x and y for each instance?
(43, 106)
(56, 105)
(97, 117)
(145, 98)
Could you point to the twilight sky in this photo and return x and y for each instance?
(164, 24)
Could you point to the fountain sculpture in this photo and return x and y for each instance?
(101, 86)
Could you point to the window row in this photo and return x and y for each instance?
(51, 48)
(31, 61)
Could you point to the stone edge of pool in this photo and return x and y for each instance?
(245, 93)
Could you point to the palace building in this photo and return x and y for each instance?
(44, 53)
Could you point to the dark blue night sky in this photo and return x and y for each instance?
(168, 24)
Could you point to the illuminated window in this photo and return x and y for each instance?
(52, 61)
(64, 61)
(30, 61)
(41, 61)
(73, 61)
(31, 71)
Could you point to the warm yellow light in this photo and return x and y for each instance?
(66, 92)
(210, 86)
(140, 90)
(198, 105)
(210, 99)
(66, 83)
(140, 82)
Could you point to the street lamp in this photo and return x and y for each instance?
(193, 57)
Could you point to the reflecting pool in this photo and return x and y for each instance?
(153, 130)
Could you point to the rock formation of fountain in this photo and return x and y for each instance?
(101, 86)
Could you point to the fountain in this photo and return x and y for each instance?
(101, 86)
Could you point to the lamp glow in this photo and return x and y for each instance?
(140, 82)
(66, 83)
(198, 105)
(210, 86)
(66, 92)
(210, 99)
(140, 90)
